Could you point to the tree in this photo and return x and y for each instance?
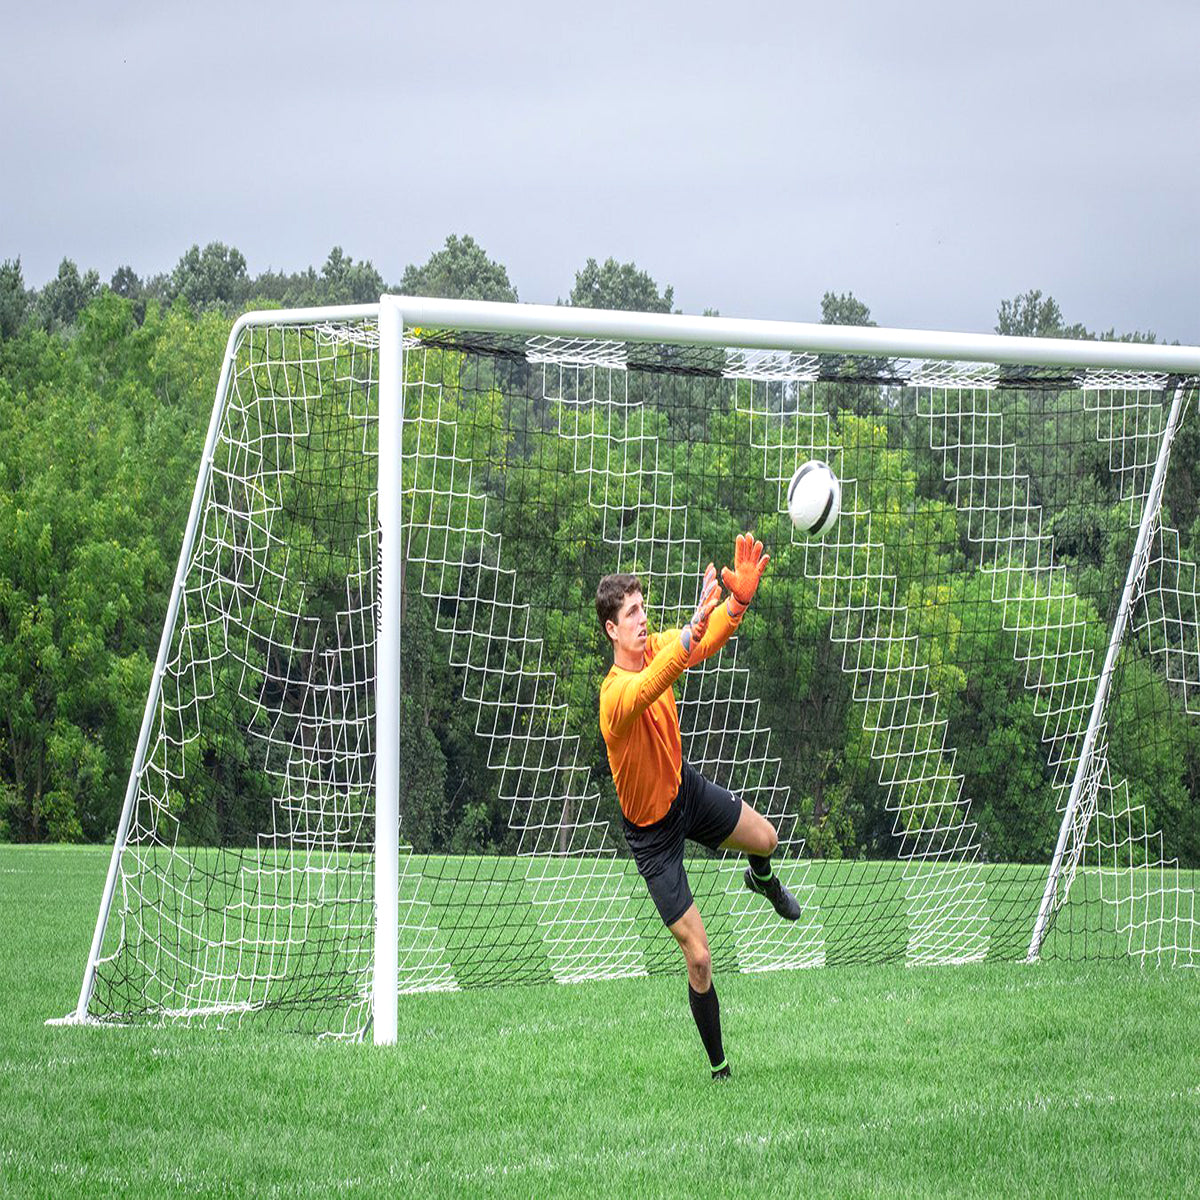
(215, 275)
(844, 310)
(1146, 337)
(1031, 315)
(301, 289)
(99, 439)
(618, 285)
(346, 282)
(158, 287)
(64, 297)
(126, 284)
(459, 271)
(862, 398)
(14, 300)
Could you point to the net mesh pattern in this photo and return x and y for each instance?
(906, 699)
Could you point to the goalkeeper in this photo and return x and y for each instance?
(664, 799)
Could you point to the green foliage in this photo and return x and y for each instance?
(461, 270)
(346, 282)
(99, 439)
(126, 284)
(62, 300)
(1155, 749)
(14, 300)
(340, 281)
(213, 276)
(862, 398)
(98, 443)
(844, 310)
(1033, 315)
(619, 285)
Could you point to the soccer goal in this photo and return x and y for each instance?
(370, 762)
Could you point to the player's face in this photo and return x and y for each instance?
(631, 624)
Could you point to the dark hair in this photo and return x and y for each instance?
(610, 595)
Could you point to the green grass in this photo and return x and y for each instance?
(1065, 1078)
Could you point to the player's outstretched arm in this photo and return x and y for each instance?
(749, 563)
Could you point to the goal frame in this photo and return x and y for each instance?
(394, 314)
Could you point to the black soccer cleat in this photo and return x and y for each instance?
(781, 899)
(722, 1072)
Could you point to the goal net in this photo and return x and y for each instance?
(969, 710)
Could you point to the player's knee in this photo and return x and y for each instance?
(699, 958)
(700, 969)
(772, 839)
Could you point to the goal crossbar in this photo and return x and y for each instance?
(564, 321)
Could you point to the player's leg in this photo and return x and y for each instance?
(658, 851)
(702, 993)
(754, 836)
(718, 819)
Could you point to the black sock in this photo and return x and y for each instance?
(707, 1012)
(761, 866)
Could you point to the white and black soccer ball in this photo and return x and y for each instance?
(814, 498)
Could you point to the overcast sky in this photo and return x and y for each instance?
(933, 158)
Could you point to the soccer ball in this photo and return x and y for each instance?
(814, 498)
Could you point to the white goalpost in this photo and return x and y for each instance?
(369, 763)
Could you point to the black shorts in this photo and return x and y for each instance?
(701, 811)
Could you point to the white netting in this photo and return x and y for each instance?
(772, 365)
(1045, 614)
(269, 683)
(616, 448)
(943, 892)
(580, 894)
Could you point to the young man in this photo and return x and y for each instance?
(664, 799)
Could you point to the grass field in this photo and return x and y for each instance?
(1065, 1078)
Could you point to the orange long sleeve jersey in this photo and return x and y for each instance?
(640, 723)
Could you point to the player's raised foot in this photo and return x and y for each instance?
(784, 903)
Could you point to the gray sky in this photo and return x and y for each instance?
(934, 158)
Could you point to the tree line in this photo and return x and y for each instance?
(216, 277)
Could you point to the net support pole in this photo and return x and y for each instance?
(1137, 567)
(387, 680)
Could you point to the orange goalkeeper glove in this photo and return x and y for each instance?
(710, 597)
(749, 563)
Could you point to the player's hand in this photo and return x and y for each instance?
(710, 597)
(749, 563)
